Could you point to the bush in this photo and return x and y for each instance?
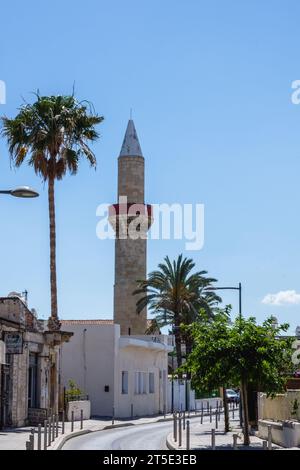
(73, 392)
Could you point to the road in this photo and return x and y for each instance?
(138, 437)
(145, 436)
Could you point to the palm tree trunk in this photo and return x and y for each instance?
(53, 322)
(178, 348)
(188, 350)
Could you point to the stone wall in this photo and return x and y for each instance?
(19, 389)
(131, 178)
(76, 407)
(279, 408)
(130, 255)
(13, 309)
(130, 266)
(36, 416)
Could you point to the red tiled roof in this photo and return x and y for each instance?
(87, 322)
(92, 322)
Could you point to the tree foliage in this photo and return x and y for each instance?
(241, 352)
(226, 353)
(53, 133)
(175, 294)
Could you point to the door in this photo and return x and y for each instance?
(32, 381)
(5, 396)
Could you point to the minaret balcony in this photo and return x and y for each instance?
(121, 216)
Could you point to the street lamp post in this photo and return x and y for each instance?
(21, 191)
(239, 288)
(24, 192)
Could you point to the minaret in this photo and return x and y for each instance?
(130, 244)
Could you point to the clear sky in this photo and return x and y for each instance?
(210, 87)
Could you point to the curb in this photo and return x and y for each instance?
(169, 445)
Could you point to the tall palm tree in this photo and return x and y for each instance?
(175, 296)
(52, 134)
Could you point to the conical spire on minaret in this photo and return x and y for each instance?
(131, 146)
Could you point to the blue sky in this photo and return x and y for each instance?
(210, 87)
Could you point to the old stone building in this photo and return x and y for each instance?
(30, 369)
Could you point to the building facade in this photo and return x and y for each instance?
(122, 375)
(30, 369)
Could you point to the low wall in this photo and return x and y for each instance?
(285, 434)
(279, 408)
(36, 416)
(77, 406)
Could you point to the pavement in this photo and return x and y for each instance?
(201, 437)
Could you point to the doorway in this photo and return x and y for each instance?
(32, 381)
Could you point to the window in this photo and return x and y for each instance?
(124, 382)
(140, 383)
(151, 382)
(143, 382)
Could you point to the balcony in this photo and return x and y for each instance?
(154, 342)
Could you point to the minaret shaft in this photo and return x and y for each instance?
(130, 254)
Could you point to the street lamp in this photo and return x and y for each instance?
(239, 288)
(21, 191)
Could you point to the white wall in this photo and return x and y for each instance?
(180, 390)
(89, 360)
(96, 356)
(285, 433)
(134, 359)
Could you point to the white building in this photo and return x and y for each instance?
(124, 373)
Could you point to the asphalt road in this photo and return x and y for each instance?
(144, 436)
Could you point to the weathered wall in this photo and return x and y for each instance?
(280, 407)
(131, 178)
(76, 407)
(13, 309)
(130, 255)
(130, 266)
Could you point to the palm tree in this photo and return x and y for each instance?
(53, 133)
(175, 296)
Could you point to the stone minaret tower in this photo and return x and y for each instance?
(130, 251)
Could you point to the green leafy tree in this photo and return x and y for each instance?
(175, 294)
(241, 352)
(52, 134)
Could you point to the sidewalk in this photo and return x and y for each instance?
(200, 437)
(15, 438)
